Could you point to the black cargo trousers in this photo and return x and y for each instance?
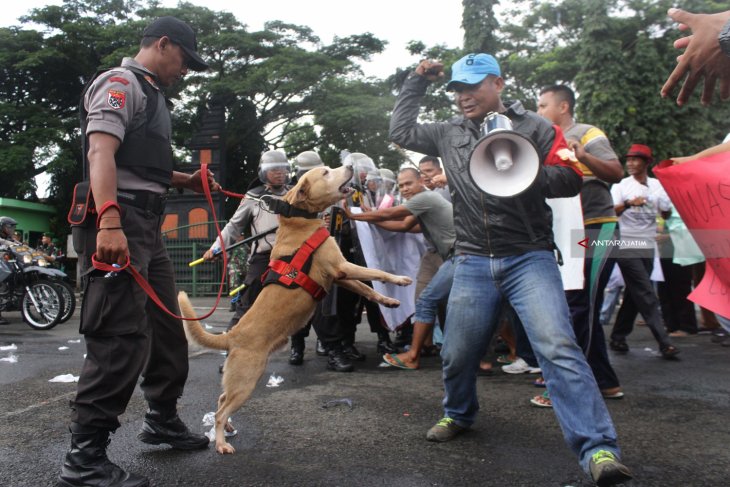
(126, 333)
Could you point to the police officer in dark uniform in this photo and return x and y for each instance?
(127, 130)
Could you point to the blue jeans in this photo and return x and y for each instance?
(436, 291)
(724, 322)
(531, 283)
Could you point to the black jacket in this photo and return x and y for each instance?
(486, 225)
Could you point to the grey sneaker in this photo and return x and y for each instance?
(606, 470)
(519, 366)
(446, 429)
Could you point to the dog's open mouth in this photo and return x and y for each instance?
(345, 188)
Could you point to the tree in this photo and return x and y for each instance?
(480, 26)
(271, 83)
(616, 56)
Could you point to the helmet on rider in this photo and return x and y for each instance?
(7, 227)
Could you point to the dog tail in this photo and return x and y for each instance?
(193, 329)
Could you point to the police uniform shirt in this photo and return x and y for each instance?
(252, 217)
(116, 104)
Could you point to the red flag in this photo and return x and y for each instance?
(700, 190)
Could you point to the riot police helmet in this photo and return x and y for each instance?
(274, 169)
(307, 160)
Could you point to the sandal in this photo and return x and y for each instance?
(542, 401)
(669, 352)
(539, 382)
(504, 359)
(485, 369)
(393, 360)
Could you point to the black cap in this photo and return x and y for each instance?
(181, 34)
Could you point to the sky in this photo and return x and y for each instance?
(395, 21)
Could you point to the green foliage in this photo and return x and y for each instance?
(271, 83)
(354, 115)
(616, 56)
(480, 26)
(283, 88)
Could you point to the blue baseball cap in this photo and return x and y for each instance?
(472, 69)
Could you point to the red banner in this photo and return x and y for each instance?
(700, 190)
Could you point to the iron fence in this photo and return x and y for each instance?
(186, 244)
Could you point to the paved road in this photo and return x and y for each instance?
(672, 424)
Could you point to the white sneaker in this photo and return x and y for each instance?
(519, 366)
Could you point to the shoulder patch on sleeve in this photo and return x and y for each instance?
(119, 79)
(116, 99)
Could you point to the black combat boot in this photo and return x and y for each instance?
(163, 425)
(297, 351)
(338, 360)
(385, 345)
(353, 353)
(86, 463)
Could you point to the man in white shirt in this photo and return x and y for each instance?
(638, 199)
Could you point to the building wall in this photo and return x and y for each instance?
(33, 218)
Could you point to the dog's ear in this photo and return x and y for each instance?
(300, 193)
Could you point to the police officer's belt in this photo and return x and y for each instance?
(150, 202)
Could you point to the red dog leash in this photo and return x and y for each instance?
(145, 285)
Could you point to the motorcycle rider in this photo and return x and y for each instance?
(7, 237)
(7, 231)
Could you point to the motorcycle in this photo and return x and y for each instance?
(61, 281)
(32, 289)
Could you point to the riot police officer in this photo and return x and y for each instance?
(251, 217)
(126, 129)
(305, 161)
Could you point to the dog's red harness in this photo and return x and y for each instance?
(293, 274)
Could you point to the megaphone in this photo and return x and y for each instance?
(503, 163)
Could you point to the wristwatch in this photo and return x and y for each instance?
(724, 39)
(627, 204)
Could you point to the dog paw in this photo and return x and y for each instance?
(390, 302)
(225, 448)
(402, 280)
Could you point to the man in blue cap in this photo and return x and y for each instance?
(504, 252)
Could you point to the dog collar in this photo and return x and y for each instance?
(283, 208)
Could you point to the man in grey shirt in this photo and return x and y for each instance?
(432, 214)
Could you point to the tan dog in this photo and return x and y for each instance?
(279, 312)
